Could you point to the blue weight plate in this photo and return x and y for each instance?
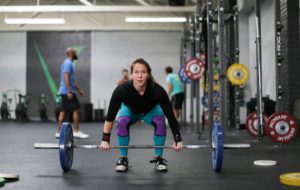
(216, 100)
(65, 143)
(183, 76)
(205, 100)
(217, 147)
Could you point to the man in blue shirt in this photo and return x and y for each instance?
(67, 92)
(175, 91)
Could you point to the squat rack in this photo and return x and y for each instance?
(202, 21)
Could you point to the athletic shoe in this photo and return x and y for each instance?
(160, 164)
(122, 164)
(80, 135)
(57, 135)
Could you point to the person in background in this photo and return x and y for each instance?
(68, 95)
(125, 77)
(175, 91)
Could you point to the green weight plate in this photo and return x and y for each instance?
(2, 182)
(9, 176)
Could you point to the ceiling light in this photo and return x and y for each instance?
(34, 21)
(86, 2)
(155, 19)
(95, 8)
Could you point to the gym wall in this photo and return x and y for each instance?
(45, 54)
(113, 51)
(12, 64)
(268, 52)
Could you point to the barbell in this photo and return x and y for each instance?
(66, 147)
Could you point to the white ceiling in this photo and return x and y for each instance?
(102, 15)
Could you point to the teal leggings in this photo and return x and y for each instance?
(155, 117)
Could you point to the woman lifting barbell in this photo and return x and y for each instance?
(140, 99)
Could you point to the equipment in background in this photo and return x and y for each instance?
(183, 77)
(265, 162)
(86, 112)
(5, 115)
(268, 105)
(99, 115)
(238, 74)
(292, 179)
(43, 103)
(194, 68)
(252, 123)
(280, 126)
(21, 108)
(57, 106)
(7, 178)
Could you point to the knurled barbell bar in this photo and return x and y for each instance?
(66, 147)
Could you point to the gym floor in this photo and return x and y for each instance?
(94, 169)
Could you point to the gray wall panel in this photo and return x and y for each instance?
(268, 51)
(12, 63)
(113, 51)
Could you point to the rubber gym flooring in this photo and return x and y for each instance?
(94, 169)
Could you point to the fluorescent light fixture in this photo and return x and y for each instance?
(34, 21)
(95, 8)
(86, 2)
(155, 19)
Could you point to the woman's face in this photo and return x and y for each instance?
(140, 75)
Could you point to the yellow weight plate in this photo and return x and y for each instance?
(292, 179)
(238, 74)
(216, 86)
(216, 76)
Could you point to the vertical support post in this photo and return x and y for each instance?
(222, 63)
(288, 80)
(197, 55)
(183, 50)
(259, 71)
(278, 53)
(237, 60)
(192, 41)
(209, 63)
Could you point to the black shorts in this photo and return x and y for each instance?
(69, 105)
(177, 100)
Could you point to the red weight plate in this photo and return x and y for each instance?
(281, 127)
(252, 123)
(194, 69)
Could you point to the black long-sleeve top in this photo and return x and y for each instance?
(142, 104)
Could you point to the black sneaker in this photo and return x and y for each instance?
(160, 164)
(122, 164)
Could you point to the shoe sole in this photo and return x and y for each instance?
(161, 169)
(164, 170)
(121, 170)
(80, 137)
